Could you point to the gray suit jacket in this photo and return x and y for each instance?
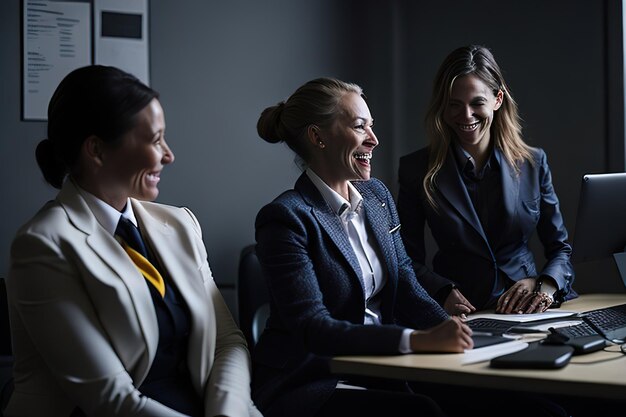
(84, 326)
(317, 302)
(465, 257)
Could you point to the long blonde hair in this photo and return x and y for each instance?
(506, 128)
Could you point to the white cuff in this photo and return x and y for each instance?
(405, 341)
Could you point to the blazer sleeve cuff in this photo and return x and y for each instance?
(227, 404)
(405, 341)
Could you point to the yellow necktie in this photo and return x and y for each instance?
(146, 268)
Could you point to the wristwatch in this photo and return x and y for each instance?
(556, 299)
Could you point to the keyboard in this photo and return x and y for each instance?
(609, 322)
(493, 326)
(577, 330)
(498, 327)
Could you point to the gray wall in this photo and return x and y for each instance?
(217, 65)
(231, 60)
(554, 55)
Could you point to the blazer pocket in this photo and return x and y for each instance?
(532, 207)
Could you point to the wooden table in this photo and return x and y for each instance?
(596, 375)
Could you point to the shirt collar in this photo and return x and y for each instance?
(106, 215)
(337, 203)
(464, 158)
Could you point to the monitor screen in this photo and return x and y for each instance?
(601, 220)
(600, 231)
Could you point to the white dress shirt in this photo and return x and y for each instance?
(107, 216)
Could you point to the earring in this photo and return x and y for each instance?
(321, 144)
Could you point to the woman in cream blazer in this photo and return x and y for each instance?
(90, 336)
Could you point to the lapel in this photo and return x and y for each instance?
(451, 186)
(510, 188)
(170, 246)
(106, 290)
(329, 221)
(376, 213)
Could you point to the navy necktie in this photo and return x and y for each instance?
(136, 250)
(130, 234)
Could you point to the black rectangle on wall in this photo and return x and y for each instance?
(121, 25)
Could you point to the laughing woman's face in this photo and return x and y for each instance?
(134, 168)
(351, 140)
(470, 111)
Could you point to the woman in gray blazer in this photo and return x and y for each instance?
(113, 308)
(483, 192)
(339, 278)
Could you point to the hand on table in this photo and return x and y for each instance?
(457, 305)
(522, 299)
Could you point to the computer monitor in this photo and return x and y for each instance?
(599, 244)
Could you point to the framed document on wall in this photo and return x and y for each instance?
(121, 36)
(60, 36)
(56, 39)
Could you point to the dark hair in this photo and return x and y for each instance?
(314, 103)
(93, 100)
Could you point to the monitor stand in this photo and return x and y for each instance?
(607, 275)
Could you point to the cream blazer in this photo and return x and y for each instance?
(83, 324)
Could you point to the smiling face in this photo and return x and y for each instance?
(470, 112)
(348, 143)
(133, 168)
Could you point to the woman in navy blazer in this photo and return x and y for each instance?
(483, 193)
(339, 278)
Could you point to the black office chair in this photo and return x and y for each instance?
(6, 351)
(252, 296)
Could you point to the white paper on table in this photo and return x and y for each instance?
(546, 326)
(489, 352)
(524, 318)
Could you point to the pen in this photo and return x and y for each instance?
(522, 330)
(482, 334)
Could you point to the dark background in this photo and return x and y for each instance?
(218, 64)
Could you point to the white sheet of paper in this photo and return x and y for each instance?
(524, 318)
(489, 352)
(546, 326)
